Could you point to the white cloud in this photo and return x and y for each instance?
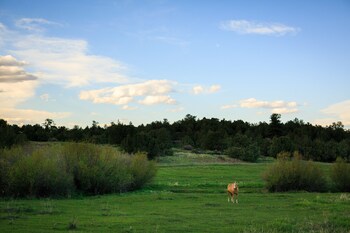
(199, 89)
(278, 106)
(259, 28)
(284, 110)
(157, 99)
(214, 88)
(127, 107)
(29, 116)
(11, 70)
(338, 112)
(228, 106)
(66, 61)
(324, 121)
(152, 91)
(34, 24)
(60, 60)
(14, 93)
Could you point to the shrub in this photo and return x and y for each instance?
(340, 174)
(142, 170)
(235, 152)
(72, 167)
(39, 175)
(102, 169)
(251, 153)
(292, 173)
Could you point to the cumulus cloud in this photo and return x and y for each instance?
(14, 93)
(152, 92)
(17, 85)
(12, 71)
(157, 99)
(34, 24)
(278, 106)
(254, 103)
(67, 62)
(336, 112)
(259, 28)
(199, 89)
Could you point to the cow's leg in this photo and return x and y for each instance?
(233, 198)
(237, 198)
(228, 196)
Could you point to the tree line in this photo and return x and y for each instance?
(238, 139)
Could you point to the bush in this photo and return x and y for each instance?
(251, 153)
(61, 170)
(340, 175)
(235, 152)
(142, 170)
(39, 175)
(292, 173)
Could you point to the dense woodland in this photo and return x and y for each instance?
(237, 138)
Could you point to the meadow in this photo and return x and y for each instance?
(187, 195)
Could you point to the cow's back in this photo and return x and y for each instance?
(231, 187)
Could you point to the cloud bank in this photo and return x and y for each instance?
(17, 86)
(336, 112)
(29, 116)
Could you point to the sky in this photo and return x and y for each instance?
(142, 61)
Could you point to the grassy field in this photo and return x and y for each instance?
(185, 197)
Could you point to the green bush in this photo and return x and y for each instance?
(251, 153)
(61, 170)
(235, 152)
(142, 170)
(292, 173)
(340, 175)
(39, 175)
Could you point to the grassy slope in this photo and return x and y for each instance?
(186, 198)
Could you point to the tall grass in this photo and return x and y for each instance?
(69, 168)
(340, 175)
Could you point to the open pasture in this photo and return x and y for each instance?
(185, 198)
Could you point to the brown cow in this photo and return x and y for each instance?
(232, 190)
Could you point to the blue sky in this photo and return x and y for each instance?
(142, 61)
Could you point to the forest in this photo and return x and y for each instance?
(238, 139)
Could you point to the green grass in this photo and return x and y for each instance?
(185, 198)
